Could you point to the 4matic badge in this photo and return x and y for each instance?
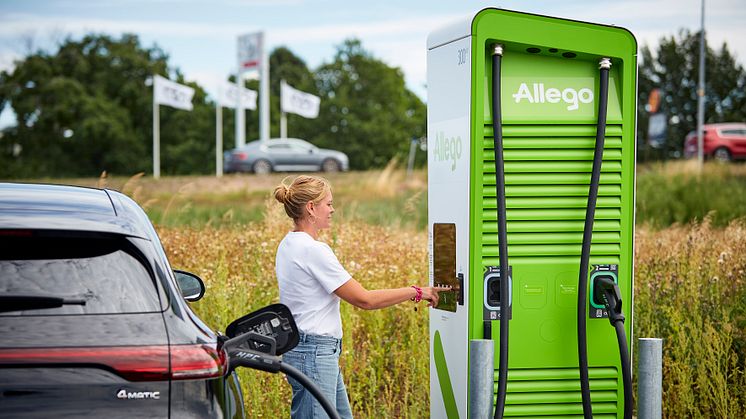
(138, 395)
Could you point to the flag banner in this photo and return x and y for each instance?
(228, 96)
(657, 129)
(297, 102)
(166, 92)
(250, 48)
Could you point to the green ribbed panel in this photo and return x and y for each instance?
(555, 392)
(547, 176)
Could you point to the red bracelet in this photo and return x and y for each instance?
(417, 298)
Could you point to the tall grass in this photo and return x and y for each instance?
(690, 290)
(690, 280)
(385, 352)
(677, 192)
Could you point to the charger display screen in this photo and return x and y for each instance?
(444, 264)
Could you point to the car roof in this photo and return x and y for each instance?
(257, 143)
(726, 125)
(71, 208)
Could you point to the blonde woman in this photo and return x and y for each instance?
(312, 282)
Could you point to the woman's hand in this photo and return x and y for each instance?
(431, 294)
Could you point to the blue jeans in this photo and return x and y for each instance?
(318, 358)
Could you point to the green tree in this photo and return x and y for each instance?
(674, 69)
(87, 108)
(366, 109)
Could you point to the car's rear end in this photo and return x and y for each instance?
(240, 159)
(710, 141)
(89, 325)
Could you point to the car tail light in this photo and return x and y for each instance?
(133, 363)
(196, 361)
(241, 155)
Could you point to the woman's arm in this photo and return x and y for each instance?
(355, 294)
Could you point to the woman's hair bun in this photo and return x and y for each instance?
(282, 192)
(299, 192)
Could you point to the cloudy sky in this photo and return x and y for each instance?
(200, 35)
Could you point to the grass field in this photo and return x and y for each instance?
(690, 277)
(690, 290)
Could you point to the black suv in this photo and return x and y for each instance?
(93, 321)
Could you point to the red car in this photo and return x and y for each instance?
(723, 142)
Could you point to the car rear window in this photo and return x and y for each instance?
(105, 272)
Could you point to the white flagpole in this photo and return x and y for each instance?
(240, 113)
(283, 116)
(218, 139)
(264, 97)
(156, 138)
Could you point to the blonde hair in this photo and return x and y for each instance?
(302, 190)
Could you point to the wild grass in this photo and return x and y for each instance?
(676, 192)
(690, 290)
(690, 264)
(385, 352)
(667, 193)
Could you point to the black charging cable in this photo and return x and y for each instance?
(590, 213)
(502, 234)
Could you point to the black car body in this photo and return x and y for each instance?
(92, 318)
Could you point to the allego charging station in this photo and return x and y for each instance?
(531, 159)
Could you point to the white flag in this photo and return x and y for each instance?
(297, 102)
(228, 96)
(166, 92)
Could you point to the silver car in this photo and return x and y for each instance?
(284, 155)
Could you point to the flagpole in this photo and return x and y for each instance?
(156, 138)
(283, 125)
(240, 114)
(283, 116)
(218, 139)
(264, 96)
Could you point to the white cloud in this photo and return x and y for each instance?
(7, 59)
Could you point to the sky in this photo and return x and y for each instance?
(200, 36)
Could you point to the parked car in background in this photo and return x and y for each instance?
(723, 142)
(284, 155)
(93, 320)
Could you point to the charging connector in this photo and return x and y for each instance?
(606, 287)
(607, 273)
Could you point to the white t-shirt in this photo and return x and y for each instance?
(308, 273)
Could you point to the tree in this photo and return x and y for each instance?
(366, 109)
(87, 108)
(675, 70)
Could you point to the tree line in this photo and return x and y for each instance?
(674, 69)
(88, 106)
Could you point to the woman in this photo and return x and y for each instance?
(312, 282)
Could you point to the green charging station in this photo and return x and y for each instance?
(518, 158)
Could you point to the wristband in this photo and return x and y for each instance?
(417, 298)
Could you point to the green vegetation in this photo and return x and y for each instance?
(677, 193)
(674, 69)
(690, 290)
(87, 108)
(690, 278)
(667, 194)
